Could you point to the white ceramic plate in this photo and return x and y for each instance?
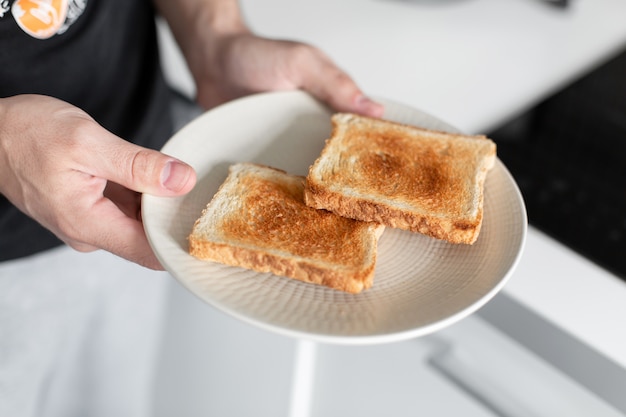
(420, 285)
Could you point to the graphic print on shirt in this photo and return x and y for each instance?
(4, 7)
(43, 19)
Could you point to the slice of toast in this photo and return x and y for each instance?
(258, 220)
(403, 176)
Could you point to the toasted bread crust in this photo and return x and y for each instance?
(353, 281)
(402, 176)
(258, 220)
(454, 231)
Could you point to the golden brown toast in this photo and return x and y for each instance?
(258, 220)
(402, 176)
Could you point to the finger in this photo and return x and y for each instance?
(116, 233)
(332, 85)
(139, 169)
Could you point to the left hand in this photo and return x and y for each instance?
(243, 63)
(228, 61)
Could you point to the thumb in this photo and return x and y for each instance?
(177, 177)
(143, 170)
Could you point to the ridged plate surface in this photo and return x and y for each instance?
(421, 284)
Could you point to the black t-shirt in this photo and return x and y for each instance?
(99, 55)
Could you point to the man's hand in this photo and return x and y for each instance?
(80, 181)
(245, 63)
(227, 61)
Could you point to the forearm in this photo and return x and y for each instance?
(228, 61)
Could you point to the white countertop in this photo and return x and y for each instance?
(474, 64)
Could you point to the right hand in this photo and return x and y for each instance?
(80, 181)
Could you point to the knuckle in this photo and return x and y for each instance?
(142, 165)
(76, 138)
(304, 54)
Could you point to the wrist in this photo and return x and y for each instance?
(212, 28)
(200, 26)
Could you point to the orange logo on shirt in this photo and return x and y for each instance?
(41, 19)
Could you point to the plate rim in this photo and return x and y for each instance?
(369, 339)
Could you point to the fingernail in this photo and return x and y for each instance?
(175, 175)
(369, 107)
